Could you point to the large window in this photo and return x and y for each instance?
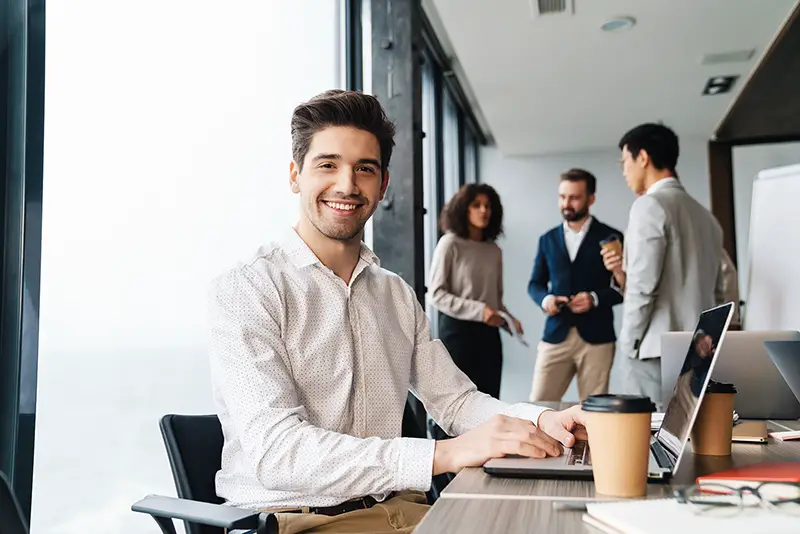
(471, 152)
(166, 158)
(449, 147)
(452, 152)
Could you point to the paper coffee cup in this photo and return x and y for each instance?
(619, 439)
(713, 428)
(612, 243)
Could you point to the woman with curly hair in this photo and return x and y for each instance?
(466, 285)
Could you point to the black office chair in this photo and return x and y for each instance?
(194, 447)
(11, 519)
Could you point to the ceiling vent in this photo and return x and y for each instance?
(735, 56)
(540, 8)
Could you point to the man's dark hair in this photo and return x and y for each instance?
(660, 143)
(455, 215)
(580, 175)
(341, 108)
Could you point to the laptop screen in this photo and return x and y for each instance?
(684, 403)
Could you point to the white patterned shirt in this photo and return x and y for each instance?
(311, 376)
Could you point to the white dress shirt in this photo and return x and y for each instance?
(573, 240)
(311, 376)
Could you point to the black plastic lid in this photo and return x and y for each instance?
(720, 387)
(609, 239)
(618, 404)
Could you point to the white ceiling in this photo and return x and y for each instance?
(559, 84)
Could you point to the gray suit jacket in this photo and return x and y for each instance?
(673, 261)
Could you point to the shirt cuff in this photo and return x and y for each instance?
(522, 410)
(546, 300)
(595, 299)
(415, 464)
(616, 287)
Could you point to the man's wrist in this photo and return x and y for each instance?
(546, 300)
(441, 457)
(539, 419)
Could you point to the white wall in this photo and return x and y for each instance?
(165, 160)
(748, 161)
(528, 189)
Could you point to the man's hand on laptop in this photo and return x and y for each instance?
(500, 436)
(565, 426)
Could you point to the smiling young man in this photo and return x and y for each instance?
(314, 348)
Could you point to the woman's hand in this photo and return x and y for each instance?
(492, 317)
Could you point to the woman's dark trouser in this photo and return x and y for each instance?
(476, 350)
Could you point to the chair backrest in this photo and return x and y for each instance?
(11, 519)
(194, 446)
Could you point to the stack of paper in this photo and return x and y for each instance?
(655, 420)
(668, 516)
(509, 327)
(786, 436)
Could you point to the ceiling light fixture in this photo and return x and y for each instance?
(618, 24)
(719, 85)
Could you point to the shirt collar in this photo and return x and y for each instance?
(661, 184)
(584, 228)
(302, 256)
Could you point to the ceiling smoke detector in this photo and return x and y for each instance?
(618, 24)
(550, 8)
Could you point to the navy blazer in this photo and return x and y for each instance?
(554, 274)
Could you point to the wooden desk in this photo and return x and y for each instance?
(477, 502)
(463, 516)
(475, 483)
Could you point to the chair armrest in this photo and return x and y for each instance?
(204, 513)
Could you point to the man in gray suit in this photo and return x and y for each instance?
(670, 270)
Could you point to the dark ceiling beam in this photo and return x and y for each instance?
(768, 107)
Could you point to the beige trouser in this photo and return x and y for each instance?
(557, 364)
(401, 513)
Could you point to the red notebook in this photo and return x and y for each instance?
(763, 472)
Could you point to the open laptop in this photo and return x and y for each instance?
(744, 363)
(786, 356)
(669, 442)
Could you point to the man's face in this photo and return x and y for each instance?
(705, 346)
(633, 169)
(573, 200)
(341, 183)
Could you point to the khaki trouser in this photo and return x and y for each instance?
(401, 513)
(557, 364)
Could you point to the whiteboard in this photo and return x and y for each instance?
(773, 297)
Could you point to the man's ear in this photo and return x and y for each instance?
(294, 171)
(384, 184)
(643, 159)
(591, 200)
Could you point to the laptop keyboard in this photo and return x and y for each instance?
(580, 454)
(662, 458)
